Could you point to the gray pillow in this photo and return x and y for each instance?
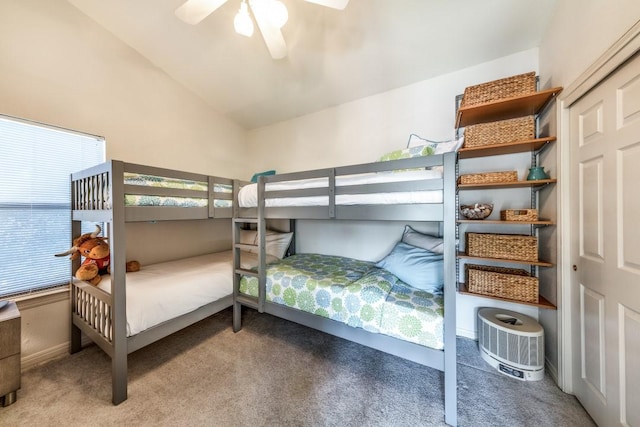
(421, 240)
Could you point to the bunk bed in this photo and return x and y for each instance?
(126, 312)
(412, 189)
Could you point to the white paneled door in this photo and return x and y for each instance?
(605, 293)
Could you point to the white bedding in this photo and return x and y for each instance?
(248, 195)
(163, 291)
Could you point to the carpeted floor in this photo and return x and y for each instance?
(277, 373)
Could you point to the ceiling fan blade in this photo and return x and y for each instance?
(334, 4)
(270, 33)
(194, 11)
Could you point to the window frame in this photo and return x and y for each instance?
(54, 285)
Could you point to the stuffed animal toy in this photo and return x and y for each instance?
(95, 251)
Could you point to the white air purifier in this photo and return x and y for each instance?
(512, 343)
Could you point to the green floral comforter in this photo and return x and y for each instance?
(183, 202)
(356, 293)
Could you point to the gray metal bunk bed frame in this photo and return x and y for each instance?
(97, 195)
(443, 213)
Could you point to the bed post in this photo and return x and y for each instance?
(235, 240)
(262, 256)
(292, 246)
(117, 240)
(76, 334)
(237, 307)
(450, 353)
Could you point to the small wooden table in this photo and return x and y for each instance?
(9, 353)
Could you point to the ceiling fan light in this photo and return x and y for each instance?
(242, 22)
(278, 14)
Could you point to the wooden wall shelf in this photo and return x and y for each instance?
(513, 184)
(506, 148)
(541, 222)
(510, 261)
(507, 108)
(542, 301)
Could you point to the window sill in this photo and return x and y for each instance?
(37, 299)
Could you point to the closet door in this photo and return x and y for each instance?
(605, 287)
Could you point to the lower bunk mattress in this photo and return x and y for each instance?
(164, 291)
(356, 293)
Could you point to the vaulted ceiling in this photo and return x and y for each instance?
(334, 56)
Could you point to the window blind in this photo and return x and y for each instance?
(35, 210)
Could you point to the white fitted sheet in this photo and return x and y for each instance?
(163, 291)
(248, 195)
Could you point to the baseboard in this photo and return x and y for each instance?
(553, 370)
(50, 354)
(45, 356)
(467, 333)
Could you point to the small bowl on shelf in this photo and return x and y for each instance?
(476, 211)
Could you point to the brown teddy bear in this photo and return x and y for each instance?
(95, 250)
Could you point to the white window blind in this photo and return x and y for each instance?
(35, 209)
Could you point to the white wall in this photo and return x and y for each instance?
(363, 130)
(580, 32)
(59, 67)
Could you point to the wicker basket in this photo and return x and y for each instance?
(522, 84)
(500, 132)
(488, 177)
(511, 283)
(519, 215)
(516, 247)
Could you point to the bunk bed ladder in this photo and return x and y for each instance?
(260, 273)
(239, 299)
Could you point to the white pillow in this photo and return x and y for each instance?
(415, 140)
(277, 242)
(248, 237)
(448, 146)
(249, 260)
(440, 147)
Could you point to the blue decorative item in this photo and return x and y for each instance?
(255, 176)
(537, 173)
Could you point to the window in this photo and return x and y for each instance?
(35, 210)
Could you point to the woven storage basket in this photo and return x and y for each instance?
(522, 84)
(488, 177)
(516, 247)
(500, 132)
(512, 283)
(519, 215)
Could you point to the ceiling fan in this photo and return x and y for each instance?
(270, 15)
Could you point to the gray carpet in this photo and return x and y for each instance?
(277, 373)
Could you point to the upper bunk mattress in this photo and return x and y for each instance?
(356, 293)
(163, 291)
(248, 195)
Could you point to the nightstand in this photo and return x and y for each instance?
(9, 353)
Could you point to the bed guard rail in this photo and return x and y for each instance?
(148, 193)
(91, 308)
(328, 190)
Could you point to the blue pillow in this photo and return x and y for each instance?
(417, 267)
(255, 176)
